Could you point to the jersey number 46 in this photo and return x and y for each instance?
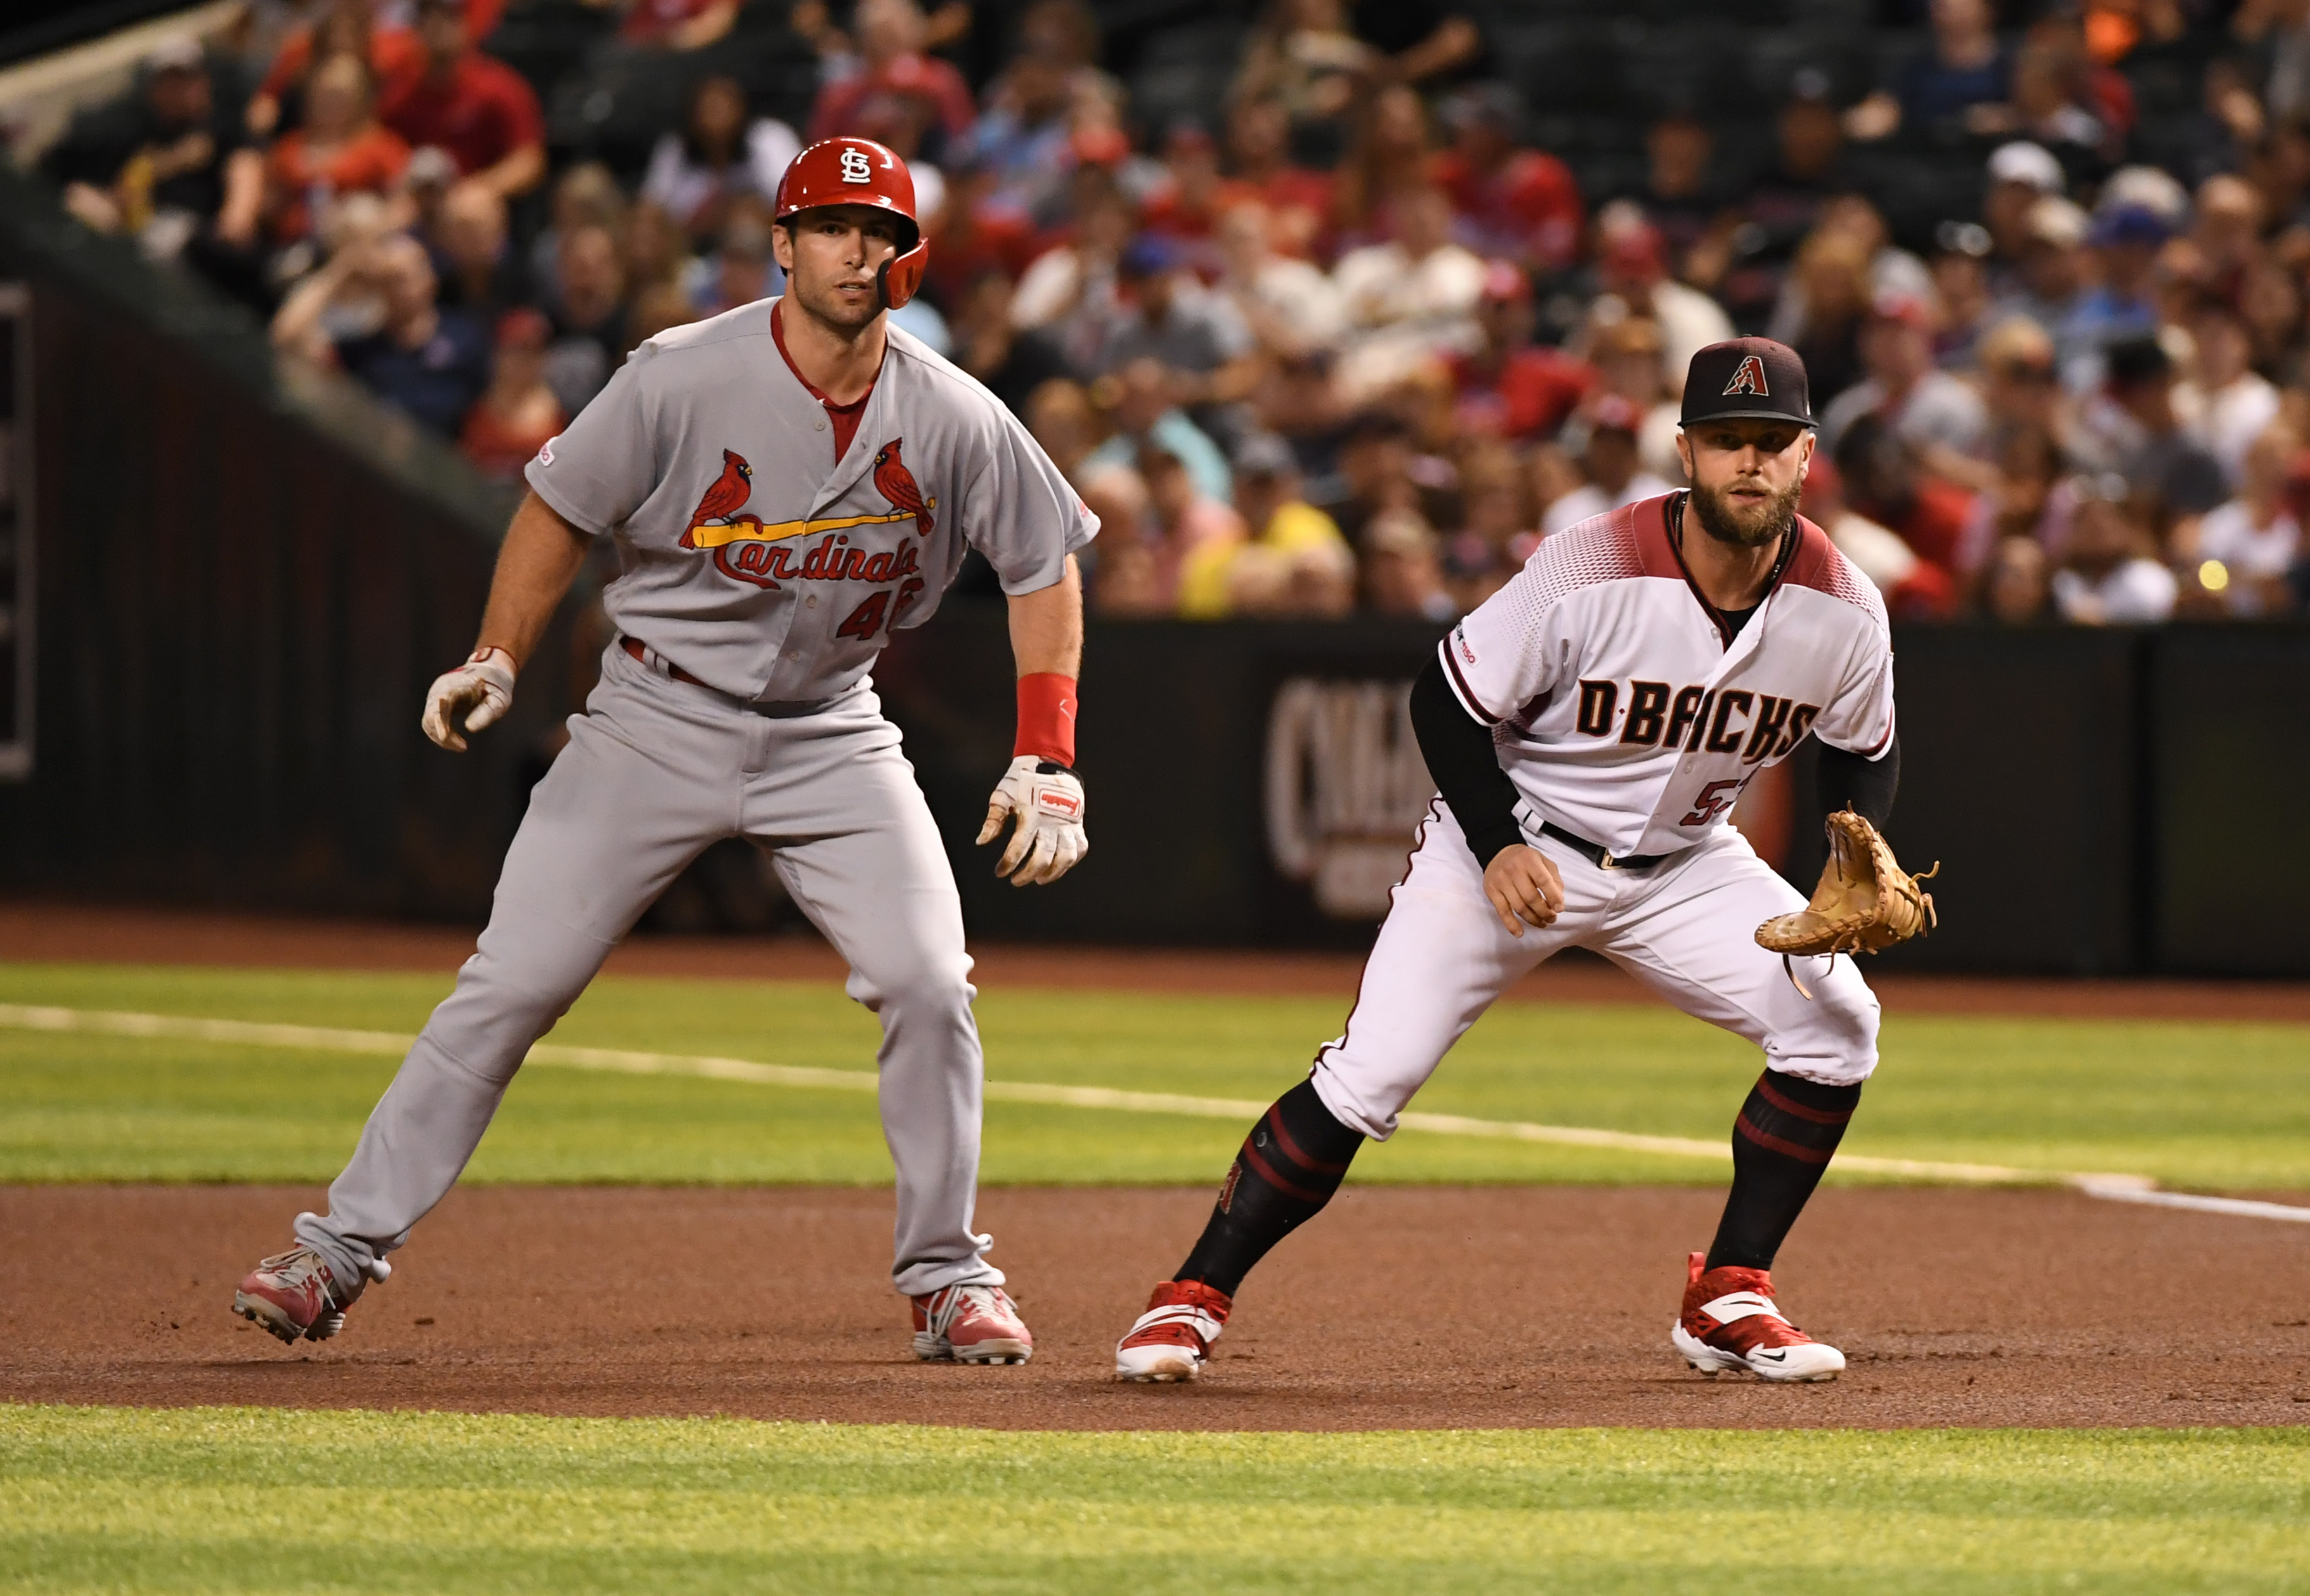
(867, 618)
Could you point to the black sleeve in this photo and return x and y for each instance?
(1867, 784)
(1458, 749)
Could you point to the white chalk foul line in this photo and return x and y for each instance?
(2115, 1188)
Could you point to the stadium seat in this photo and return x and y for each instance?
(1564, 67)
(1186, 74)
(2168, 80)
(545, 40)
(1696, 69)
(1916, 192)
(1774, 58)
(1731, 13)
(615, 108)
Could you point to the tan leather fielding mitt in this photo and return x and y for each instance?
(1865, 900)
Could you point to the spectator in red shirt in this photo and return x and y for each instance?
(1389, 159)
(347, 28)
(1187, 205)
(516, 414)
(678, 24)
(1882, 481)
(973, 235)
(1299, 201)
(1520, 203)
(892, 62)
(339, 150)
(476, 107)
(1914, 589)
(1512, 386)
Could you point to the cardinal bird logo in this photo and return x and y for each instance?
(896, 483)
(751, 550)
(730, 490)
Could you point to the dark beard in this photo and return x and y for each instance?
(1719, 521)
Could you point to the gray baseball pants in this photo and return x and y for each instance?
(654, 771)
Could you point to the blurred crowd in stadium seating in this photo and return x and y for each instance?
(1344, 305)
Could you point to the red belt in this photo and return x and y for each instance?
(642, 656)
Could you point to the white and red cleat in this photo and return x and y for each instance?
(970, 1325)
(1730, 1323)
(1173, 1338)
(297, 1297)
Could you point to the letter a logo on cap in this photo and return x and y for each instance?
(1748, 378)
(857, 169)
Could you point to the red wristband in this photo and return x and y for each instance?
(1047, 717)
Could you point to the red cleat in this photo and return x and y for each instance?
(296, 1296)
(1730, 1323)
(1173, 1338)
(970, 1325)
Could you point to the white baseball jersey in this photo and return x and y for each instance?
(1624, 710)
(752, 560)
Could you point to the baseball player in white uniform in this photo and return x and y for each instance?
(1589, 728)
(786, 484)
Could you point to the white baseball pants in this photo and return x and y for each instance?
(1685, 928)
(654, 771)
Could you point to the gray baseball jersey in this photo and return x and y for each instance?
(755, 560)
(756, 563)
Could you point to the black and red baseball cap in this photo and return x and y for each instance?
(1747, 376)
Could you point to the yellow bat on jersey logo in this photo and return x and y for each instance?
(748, 529)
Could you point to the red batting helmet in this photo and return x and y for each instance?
(855, 172)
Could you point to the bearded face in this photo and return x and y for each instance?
(1745, 517)
(1747, 475)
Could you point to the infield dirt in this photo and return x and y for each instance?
(1400, 1308)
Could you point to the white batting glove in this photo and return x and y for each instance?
(1047, 801)
(476, 693)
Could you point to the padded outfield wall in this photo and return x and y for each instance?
(2104, 802)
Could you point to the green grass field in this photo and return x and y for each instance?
(2199, 1105)
(194, 1501)
(95, 1499)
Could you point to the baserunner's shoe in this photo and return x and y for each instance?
(1730, 1323)
(298, 1296)
(970, 1325)
(1173, 1338)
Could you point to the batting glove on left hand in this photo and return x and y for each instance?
(483, 687)
(1047, 801)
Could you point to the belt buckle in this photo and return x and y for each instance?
(1604, 860)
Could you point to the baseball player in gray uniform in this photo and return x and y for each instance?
(785, 485)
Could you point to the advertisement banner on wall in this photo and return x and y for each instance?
(16, 591)
(1344, 792)
(1342, 786)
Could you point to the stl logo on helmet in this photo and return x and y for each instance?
(1748, 378)
(856, 168)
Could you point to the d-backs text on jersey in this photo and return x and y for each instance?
(1756, 725)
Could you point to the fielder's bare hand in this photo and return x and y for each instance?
(1525, 889)
(470, 698)
(1047, 801)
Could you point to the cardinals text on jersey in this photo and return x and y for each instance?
(764, 553)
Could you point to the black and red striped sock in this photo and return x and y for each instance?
(1290, 1165)
(1782, 1139)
